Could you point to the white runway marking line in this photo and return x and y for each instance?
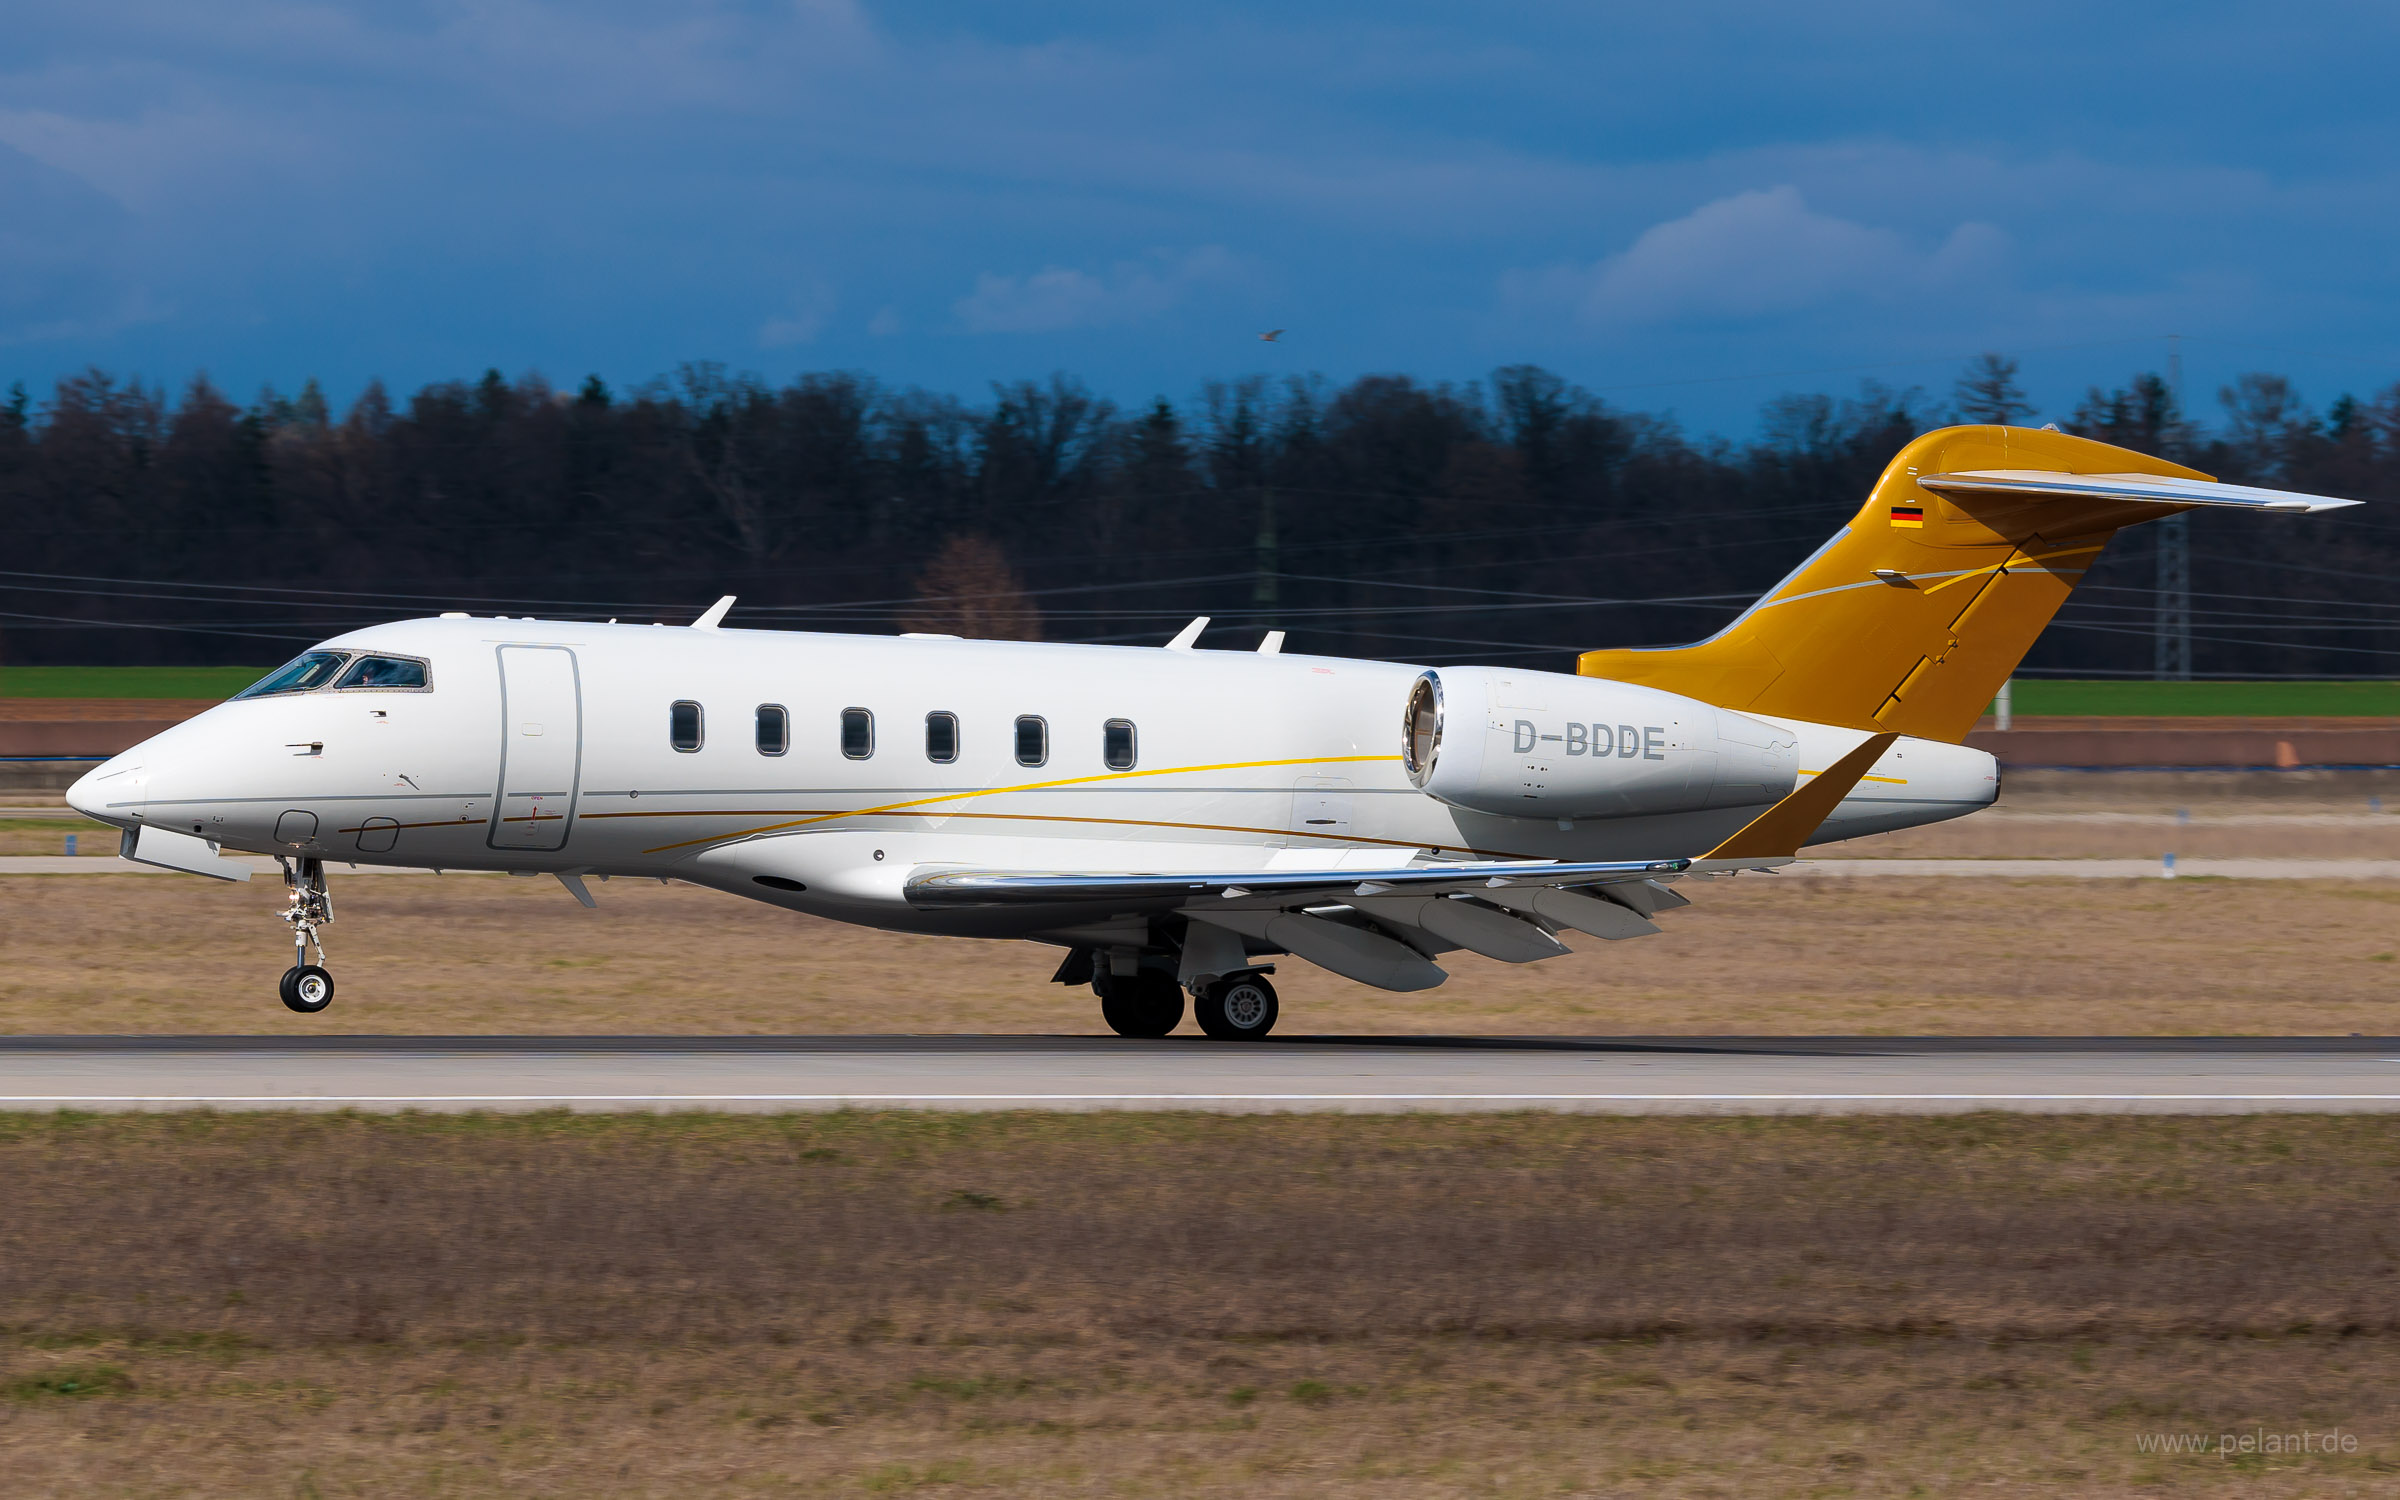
(2391, 1098)
(2226, 868)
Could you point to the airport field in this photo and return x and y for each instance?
(1115, 1305)
(196, 1305)
(1755, 955)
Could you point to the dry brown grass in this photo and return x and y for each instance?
(1997, 835)
(483, 954)
(1119, 1305)
(421, 954)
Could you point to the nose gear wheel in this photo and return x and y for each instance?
(306, 987)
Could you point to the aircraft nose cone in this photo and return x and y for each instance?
(113, 780)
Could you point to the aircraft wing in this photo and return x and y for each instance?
(1379, 927)
(942, 890)
(1384, 927)
(1772, 838)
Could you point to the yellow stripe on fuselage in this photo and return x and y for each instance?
(995, 791)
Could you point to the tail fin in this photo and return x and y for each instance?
(1911, 617)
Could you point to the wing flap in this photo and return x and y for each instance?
(1352, 952)
(1465, 924)
(1586, 914)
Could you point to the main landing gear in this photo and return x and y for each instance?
(306, 987)
(1236, 1008)
(1147, 1003)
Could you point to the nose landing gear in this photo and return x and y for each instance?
(306, 987)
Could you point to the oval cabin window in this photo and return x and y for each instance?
(941, 738)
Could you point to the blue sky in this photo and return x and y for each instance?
(1680, 206)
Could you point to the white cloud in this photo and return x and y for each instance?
(1757, 254)
(788, 330)
(149, 157)
(1057, 298)
(800, 322)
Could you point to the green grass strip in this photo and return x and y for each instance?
(2253, 700)
(126, 682)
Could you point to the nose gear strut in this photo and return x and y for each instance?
(306, 987)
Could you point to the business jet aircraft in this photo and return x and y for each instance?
(1171, 818)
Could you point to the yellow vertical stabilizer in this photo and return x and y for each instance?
(1911, 617)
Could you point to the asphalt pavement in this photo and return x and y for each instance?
(1652, 1075)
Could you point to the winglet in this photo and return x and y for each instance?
(714, 615)
(1777, 834)
(1189, 634)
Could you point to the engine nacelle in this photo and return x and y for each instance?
(1546, 745)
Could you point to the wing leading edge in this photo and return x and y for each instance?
(943, 890)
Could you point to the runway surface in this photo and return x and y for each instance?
(1659, 1075)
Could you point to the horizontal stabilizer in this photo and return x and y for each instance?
(2159, 489)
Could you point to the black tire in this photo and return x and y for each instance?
(307, 989)
(1242, 1008)
(1148, 1004)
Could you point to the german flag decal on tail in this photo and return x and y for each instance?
(1908, 515)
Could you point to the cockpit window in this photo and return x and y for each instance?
(383, 672)
(313, 669)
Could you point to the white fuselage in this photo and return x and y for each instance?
(546, 746)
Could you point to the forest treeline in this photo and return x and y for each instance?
(1515, 518)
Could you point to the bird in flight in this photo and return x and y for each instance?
(1270, 336)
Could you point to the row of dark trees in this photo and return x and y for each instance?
(1516, 518)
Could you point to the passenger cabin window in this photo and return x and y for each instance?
(1116, 744)
(774, 729)
(311, 669)
(941, 738)
(683, 725)
(1033, 740)
(383, 672)
(858, 733)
